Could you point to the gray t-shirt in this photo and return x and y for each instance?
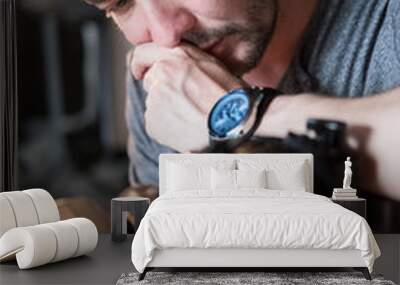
(351, 48)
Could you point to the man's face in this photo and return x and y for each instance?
(237, 32)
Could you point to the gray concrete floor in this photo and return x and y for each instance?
(106, 264)
(103, 266)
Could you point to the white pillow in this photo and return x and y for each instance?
(186, 178)
(231, 180)
(223, 179)
(188, 174)
(292, 179)
(251, 178)
(281, 174)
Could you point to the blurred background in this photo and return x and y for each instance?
(71, 104)
(72, 134)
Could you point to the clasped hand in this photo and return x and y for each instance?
(183, 84)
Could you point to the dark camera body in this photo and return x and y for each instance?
(324, 139)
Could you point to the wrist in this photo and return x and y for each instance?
(286, 113)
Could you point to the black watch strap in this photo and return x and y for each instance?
(267, 96)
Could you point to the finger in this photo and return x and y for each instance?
(153, 75)
(129, 57)
(187, 50)
(148, 79)
(150, 86)
(145, 56)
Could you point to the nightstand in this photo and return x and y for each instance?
(120, 208)
(358, 205)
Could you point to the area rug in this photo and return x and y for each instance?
(244, 278)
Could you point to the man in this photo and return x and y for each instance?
(189, 53)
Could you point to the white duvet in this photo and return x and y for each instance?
(250, 219)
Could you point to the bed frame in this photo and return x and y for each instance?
(244, 259)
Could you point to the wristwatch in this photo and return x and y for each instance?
(236, 116)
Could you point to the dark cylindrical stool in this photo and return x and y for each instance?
(120, 207)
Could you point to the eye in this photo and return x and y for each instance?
(120, 6)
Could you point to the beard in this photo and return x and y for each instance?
(254, 36)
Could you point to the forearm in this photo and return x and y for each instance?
(373, 131)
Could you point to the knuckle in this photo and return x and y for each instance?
(134, 67)
(137, 49)
(181, 52)
(158, 66)
(162, 67)
(134, 53)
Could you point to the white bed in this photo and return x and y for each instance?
(283, 225)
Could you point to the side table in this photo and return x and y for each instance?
(358, 205)
(120, 207)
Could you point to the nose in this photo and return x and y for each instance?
(167, 23)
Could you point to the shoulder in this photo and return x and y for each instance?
(353, 47)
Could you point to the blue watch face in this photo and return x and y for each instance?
(228, 113)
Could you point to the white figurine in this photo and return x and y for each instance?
(347, 174)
